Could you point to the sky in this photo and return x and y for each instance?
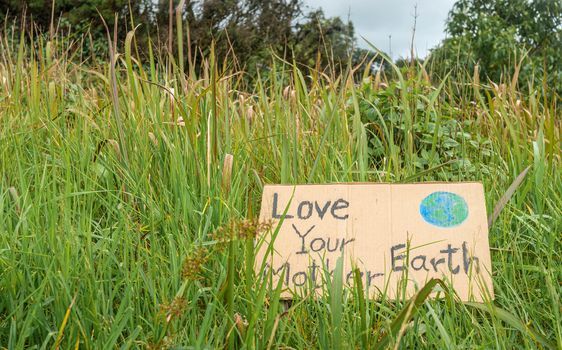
(376, 20)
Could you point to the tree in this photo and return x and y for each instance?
(326, 41)
(249, 29)
(496, 34)
(242, 32)
(78, 13)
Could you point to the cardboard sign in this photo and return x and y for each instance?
(398, 236)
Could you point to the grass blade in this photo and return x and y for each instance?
(398, 326)
(513, 321)
(507, 196)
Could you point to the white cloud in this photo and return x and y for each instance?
(377, 19)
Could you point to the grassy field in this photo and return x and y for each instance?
(129, 191)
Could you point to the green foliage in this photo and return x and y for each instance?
(323, 41)
(411, 117)
(497, 35)
(80, 20)
(77, 13)
(249, 29)
(241, 33)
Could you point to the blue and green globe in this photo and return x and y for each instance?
(444, 209)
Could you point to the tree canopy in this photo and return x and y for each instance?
(248, 30)
(497, 34)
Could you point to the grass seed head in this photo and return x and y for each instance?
(174, 309)
(193, 264)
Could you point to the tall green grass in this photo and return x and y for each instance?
(129, 191)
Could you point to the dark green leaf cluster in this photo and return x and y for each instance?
(437, 135)
(499, 35)
(241, 33)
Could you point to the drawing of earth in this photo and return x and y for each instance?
(444, 209)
